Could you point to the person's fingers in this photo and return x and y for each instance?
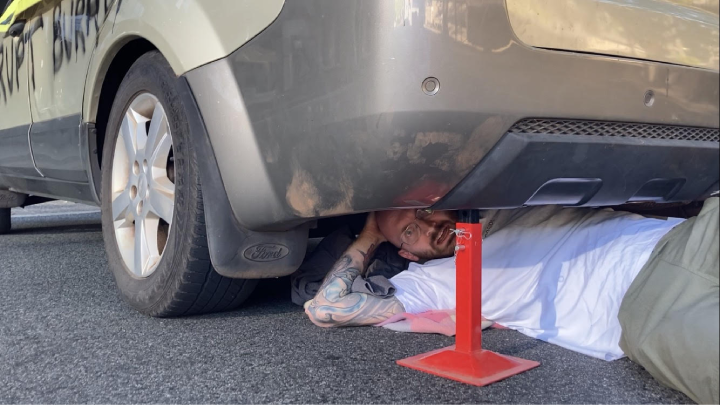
(370, 221)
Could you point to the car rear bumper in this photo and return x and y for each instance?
(541, 162)
(323, 114)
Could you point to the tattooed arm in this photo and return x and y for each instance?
(335, 304)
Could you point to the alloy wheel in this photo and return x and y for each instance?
(143, 185)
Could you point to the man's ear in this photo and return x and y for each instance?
(409, 256)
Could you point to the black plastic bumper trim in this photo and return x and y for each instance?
(572, 170)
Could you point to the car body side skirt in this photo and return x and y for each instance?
(66, 166)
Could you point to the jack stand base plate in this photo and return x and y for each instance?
(479, 368)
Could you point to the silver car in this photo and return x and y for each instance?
(216, 134)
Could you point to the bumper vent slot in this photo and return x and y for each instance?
(616, 129)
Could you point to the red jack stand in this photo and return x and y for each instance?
(466, 361)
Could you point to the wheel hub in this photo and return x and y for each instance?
(143, 194)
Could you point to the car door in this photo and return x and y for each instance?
(61, 48)
(15, 119)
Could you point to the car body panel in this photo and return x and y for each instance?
(672, 31)
(188, 34)
(316, 108)
(61, 39)
(58, 41)
(15, 157)
(58, 149)
(330, 98)
(62, 56)
(192, 33)
(15, 118)
(14, 104)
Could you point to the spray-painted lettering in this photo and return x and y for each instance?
(73, 24)
(75, 28)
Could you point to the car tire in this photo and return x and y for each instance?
(178, 279)
(5, 223)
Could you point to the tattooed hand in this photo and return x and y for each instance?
(335, 304)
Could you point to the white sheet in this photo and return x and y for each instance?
(551, 273)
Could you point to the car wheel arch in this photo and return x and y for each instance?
(226, 251)
(102, 88)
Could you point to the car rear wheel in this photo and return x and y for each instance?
(152, 206)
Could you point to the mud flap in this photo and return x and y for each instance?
(235, 251)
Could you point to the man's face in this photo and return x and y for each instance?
(419, 235)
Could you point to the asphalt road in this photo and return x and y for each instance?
(66, 336)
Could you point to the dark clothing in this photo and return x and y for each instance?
(669, 315)
(378, 286)
(385, 264)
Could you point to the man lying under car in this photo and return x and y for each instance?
(601, 282)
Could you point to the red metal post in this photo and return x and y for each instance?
(468, 329)
(466, 361)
